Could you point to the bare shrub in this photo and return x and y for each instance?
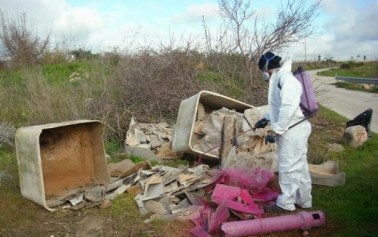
(6, 134)
(19, 42)
(54, 56)
(150, 87)
(246, 36)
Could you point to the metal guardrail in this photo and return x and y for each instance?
(357, 80)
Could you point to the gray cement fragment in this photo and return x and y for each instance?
(120, 190)
(183, 204)
(138, 200)
(155, 207)
(153, 191)
(115, 184)
(95, 194)
(171, 187)
(327, 174)
(140, 152)
(55, 202)
(76, 200)
(165, 201)
(153, 179)
(193, 198)
(132, 179)
(170, 177)
(157, 216)
(155, 141)
(199, 169)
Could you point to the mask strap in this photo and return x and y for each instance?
(267, 62)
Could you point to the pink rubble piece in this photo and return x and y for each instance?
(228, 194)
(220, 215)
(303, 220)
(252, 179)
(223, 192)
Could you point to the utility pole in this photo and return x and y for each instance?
(305, 51)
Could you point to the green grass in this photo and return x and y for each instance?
(8, 170)
(315, 65)
(357, 87)
(112, 147)
(367, 70)
(234, 86)
(352, 210)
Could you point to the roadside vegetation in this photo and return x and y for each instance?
(39, 85)
(355, 69)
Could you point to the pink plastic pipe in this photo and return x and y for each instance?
(303, 220)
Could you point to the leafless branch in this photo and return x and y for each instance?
(19, 42)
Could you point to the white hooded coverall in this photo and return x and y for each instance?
(283, 102)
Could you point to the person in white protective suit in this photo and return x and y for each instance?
(283, 112)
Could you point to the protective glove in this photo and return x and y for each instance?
(261, 123)
(270, 139)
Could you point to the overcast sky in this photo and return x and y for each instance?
(345, 28)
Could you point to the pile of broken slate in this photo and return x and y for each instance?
(211, 198)
(207, 197)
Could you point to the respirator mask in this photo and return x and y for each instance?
(264, 74)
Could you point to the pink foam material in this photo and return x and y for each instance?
(252, 179)
(235, 198)
(220, 215)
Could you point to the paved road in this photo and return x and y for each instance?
(345, 102)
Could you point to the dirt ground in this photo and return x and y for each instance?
(21, 217)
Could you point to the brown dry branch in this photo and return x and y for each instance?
(150, 87)
(6, 134)
(244, 35)
(19, 42)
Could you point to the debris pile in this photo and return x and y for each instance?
(144, 137)
(122, 177)
(230, 136)
(237, 194)
(327, 174)
(208, 197)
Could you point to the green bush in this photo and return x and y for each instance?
(345, 66)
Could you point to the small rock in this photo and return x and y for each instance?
(355, 136)
(155, 207)
(96, 194)
(105, 204)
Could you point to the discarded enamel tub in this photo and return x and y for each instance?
(301, 220)
(183, 132)
(58, 157)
